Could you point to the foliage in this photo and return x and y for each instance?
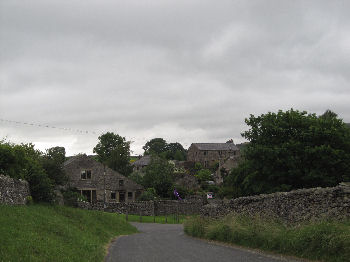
(57, 233)
(137, 177)
(159, 175)
(23, 161)
(290, 150)
(183, 192)
(71, 196)
(175, 151)
(29, 200)
(114, 151)
(159, 147)
(155, 146)
(149, 194)
(325, 240)
(52, 162)
(203, 175)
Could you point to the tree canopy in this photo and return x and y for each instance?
(114, 151)
(290, 150)
(23, 161)
(159, 175)
(52, 162)
(155, 146)
(159, 147)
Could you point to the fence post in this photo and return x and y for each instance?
(127, 211)
(166, 216)
(154, 212)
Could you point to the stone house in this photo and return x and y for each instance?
(208, 154)
(141, 163)
(88, 177)
(225, 166)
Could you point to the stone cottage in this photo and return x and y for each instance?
(209, 154)
(88, 177)
(141, 163)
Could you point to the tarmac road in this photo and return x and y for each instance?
(168, 243)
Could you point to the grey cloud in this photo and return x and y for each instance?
(189, 71)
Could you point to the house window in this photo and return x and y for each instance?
(205, 153)
(129, 195)
(113, 195)
(121, 182)
(206, 164)
(85, 174)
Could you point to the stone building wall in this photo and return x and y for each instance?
(291, 207)
(100, 182)
(13, 191)
(148, 208)
(208, 157)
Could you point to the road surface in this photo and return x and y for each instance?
(168, 243)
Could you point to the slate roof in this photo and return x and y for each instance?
(216, 146)
(143, 161)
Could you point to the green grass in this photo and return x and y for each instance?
(326, 240)
(171, 219)
(55, 233)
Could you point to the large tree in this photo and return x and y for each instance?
(159, 175)
(290, 150)
(52, 162)
(159, 147)
(175, 151)
(24, 161)
(155, 146)
(114, 151)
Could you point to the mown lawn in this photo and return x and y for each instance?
(326, 240)
(56, 233)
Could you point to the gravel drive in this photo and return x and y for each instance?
(168, 243)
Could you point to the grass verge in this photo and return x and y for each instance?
(326, 240)
(56, 233)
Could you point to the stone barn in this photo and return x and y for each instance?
(210, 153)
(88, 177)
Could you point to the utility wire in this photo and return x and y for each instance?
(48, 126)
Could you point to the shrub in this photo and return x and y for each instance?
(327, 240)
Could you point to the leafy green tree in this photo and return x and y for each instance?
(203, 175)
(23, 161)
(159, 175)
(52, 162)
(155, 146)
(114, 151)
(159, 147)
(290, 150)
(175, 151)
(149, 194)
(137, 177)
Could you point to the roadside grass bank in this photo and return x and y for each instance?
(325, 241)
(170, 219)
(56, 233)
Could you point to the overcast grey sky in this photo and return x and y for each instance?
(187, 71)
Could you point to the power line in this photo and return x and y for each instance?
(84, 132)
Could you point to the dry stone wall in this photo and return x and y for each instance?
(148, 208)
(13, 191)
(291, 207)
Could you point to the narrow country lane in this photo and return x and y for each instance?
(168, 243)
